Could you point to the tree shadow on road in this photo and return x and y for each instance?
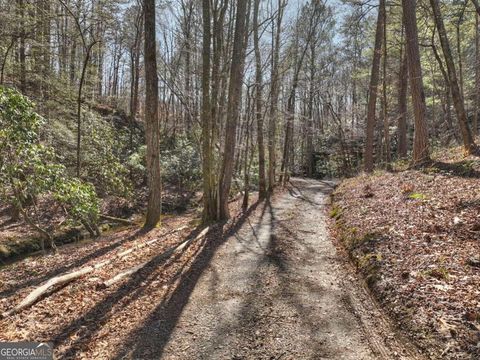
(149, 338)
(271, 277)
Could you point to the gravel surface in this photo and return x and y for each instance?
(278, 289)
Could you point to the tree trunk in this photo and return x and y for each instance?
(234, 93)
(309, 145)
(420, 142)
(447, 96)
(274, 89)
(402, 105)
(135, 73)
(209, 199)
(262, 186)
(21, 50)
(477, 77)
(468, 142)
(5, 57)
(46, 39)
(372, 96)
(79, 107)
(459, 49)
(73, 55)
(386, 124)
(152, 128)
(248, 145)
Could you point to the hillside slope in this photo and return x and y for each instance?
(415, 235)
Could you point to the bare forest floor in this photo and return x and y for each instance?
(415, 235)
(269, 284)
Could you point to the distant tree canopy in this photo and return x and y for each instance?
(253, 90)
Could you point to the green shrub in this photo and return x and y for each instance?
(29, 169)
(137, 167)
(181, 163)
(102, 157)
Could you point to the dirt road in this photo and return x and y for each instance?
(277, 289)
(269, 284)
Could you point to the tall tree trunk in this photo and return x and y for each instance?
(234, 93)
(88, 50)
(373, 88)
(100, 64)
(46, 38)
(274, 90)
(187, 25)
(447, 95)
(262, 186)
(386, 124)
(72, 64)
(209, 199)
(402, 105)
(249, 143)
(5, 57)
(21, 50)
(309, 145)
(152, 126)
(477, 76)
(420, 141)
(459, 48)
(468, 142)
(135, 72)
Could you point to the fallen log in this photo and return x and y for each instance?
(117, 220)
(162, 256)
(39, 291)
(62, 279)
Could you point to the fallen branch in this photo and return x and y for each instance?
(39, 291)
(63, 279)
(164, 255)
(117, 220)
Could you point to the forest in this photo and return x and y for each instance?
(240, 179)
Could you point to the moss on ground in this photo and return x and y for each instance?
(14, 248)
